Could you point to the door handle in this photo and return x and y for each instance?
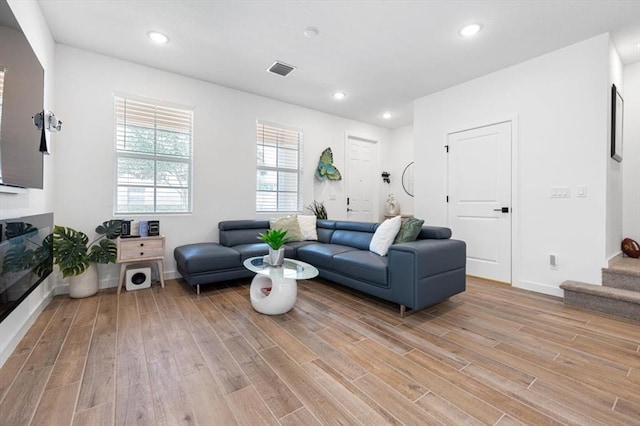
(502, 210)
(349, 210)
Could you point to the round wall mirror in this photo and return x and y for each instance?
(407, 179)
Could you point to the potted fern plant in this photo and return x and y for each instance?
(275, 239)
(318, 209)
(76, 256)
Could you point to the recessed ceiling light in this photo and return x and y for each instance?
(386, 115)
(310, 32)
(470, 30)
(158, 37)
(338, 96)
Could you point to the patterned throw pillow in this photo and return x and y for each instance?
(409, 230)
(289, 224)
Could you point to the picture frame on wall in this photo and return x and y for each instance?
(617, 109)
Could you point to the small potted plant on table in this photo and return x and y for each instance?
(275, 239)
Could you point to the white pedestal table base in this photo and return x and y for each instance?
(281, 298)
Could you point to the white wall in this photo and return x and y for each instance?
(561, 101)
(224, 146)
(32, 201)
(399, 155)
(614, 168)
(631, 150)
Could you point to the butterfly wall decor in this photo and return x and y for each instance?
(326, 169)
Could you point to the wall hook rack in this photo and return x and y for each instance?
(46, 120)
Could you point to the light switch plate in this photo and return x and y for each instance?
(560, 192)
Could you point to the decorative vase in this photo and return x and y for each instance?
(392, 206)
(276, 257)
(85, 284)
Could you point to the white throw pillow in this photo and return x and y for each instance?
(307, 225)
(384, 235)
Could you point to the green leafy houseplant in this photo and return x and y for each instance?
(73, 253)
(275, 238)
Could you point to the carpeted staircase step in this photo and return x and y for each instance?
(623, 272)
(610, 300)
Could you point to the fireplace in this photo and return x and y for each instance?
(26, 258)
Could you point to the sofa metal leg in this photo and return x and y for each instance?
(403, 311)
(198, 289)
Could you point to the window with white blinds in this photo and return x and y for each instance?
(279, 169)
(153, 157)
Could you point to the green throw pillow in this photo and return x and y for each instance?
(409, 230)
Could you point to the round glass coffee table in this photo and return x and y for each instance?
(274, 288)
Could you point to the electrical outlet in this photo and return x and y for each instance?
(553, 261)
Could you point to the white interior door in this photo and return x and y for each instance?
(480, 198)
(361, 156)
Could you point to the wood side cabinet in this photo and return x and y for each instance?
(137, 250)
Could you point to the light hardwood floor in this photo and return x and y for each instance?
(492, 355)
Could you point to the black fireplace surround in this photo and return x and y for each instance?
(26, 258)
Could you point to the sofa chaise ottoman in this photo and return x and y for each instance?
(414, 275)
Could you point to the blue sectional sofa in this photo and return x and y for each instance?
(414, 275)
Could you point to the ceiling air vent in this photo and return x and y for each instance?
(281, 68)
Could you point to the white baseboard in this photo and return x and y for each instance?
(539, 288)
(617, 254)
(172, 275)
(61, 289)
(108, 283)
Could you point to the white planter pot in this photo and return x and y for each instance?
(276, 257)
(85, 284)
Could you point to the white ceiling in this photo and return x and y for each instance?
(383, 54)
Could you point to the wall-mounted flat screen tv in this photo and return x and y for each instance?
(21, 97)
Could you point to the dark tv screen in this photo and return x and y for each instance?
(21, 97)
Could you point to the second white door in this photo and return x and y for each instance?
(480, 198)
(361, 156)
